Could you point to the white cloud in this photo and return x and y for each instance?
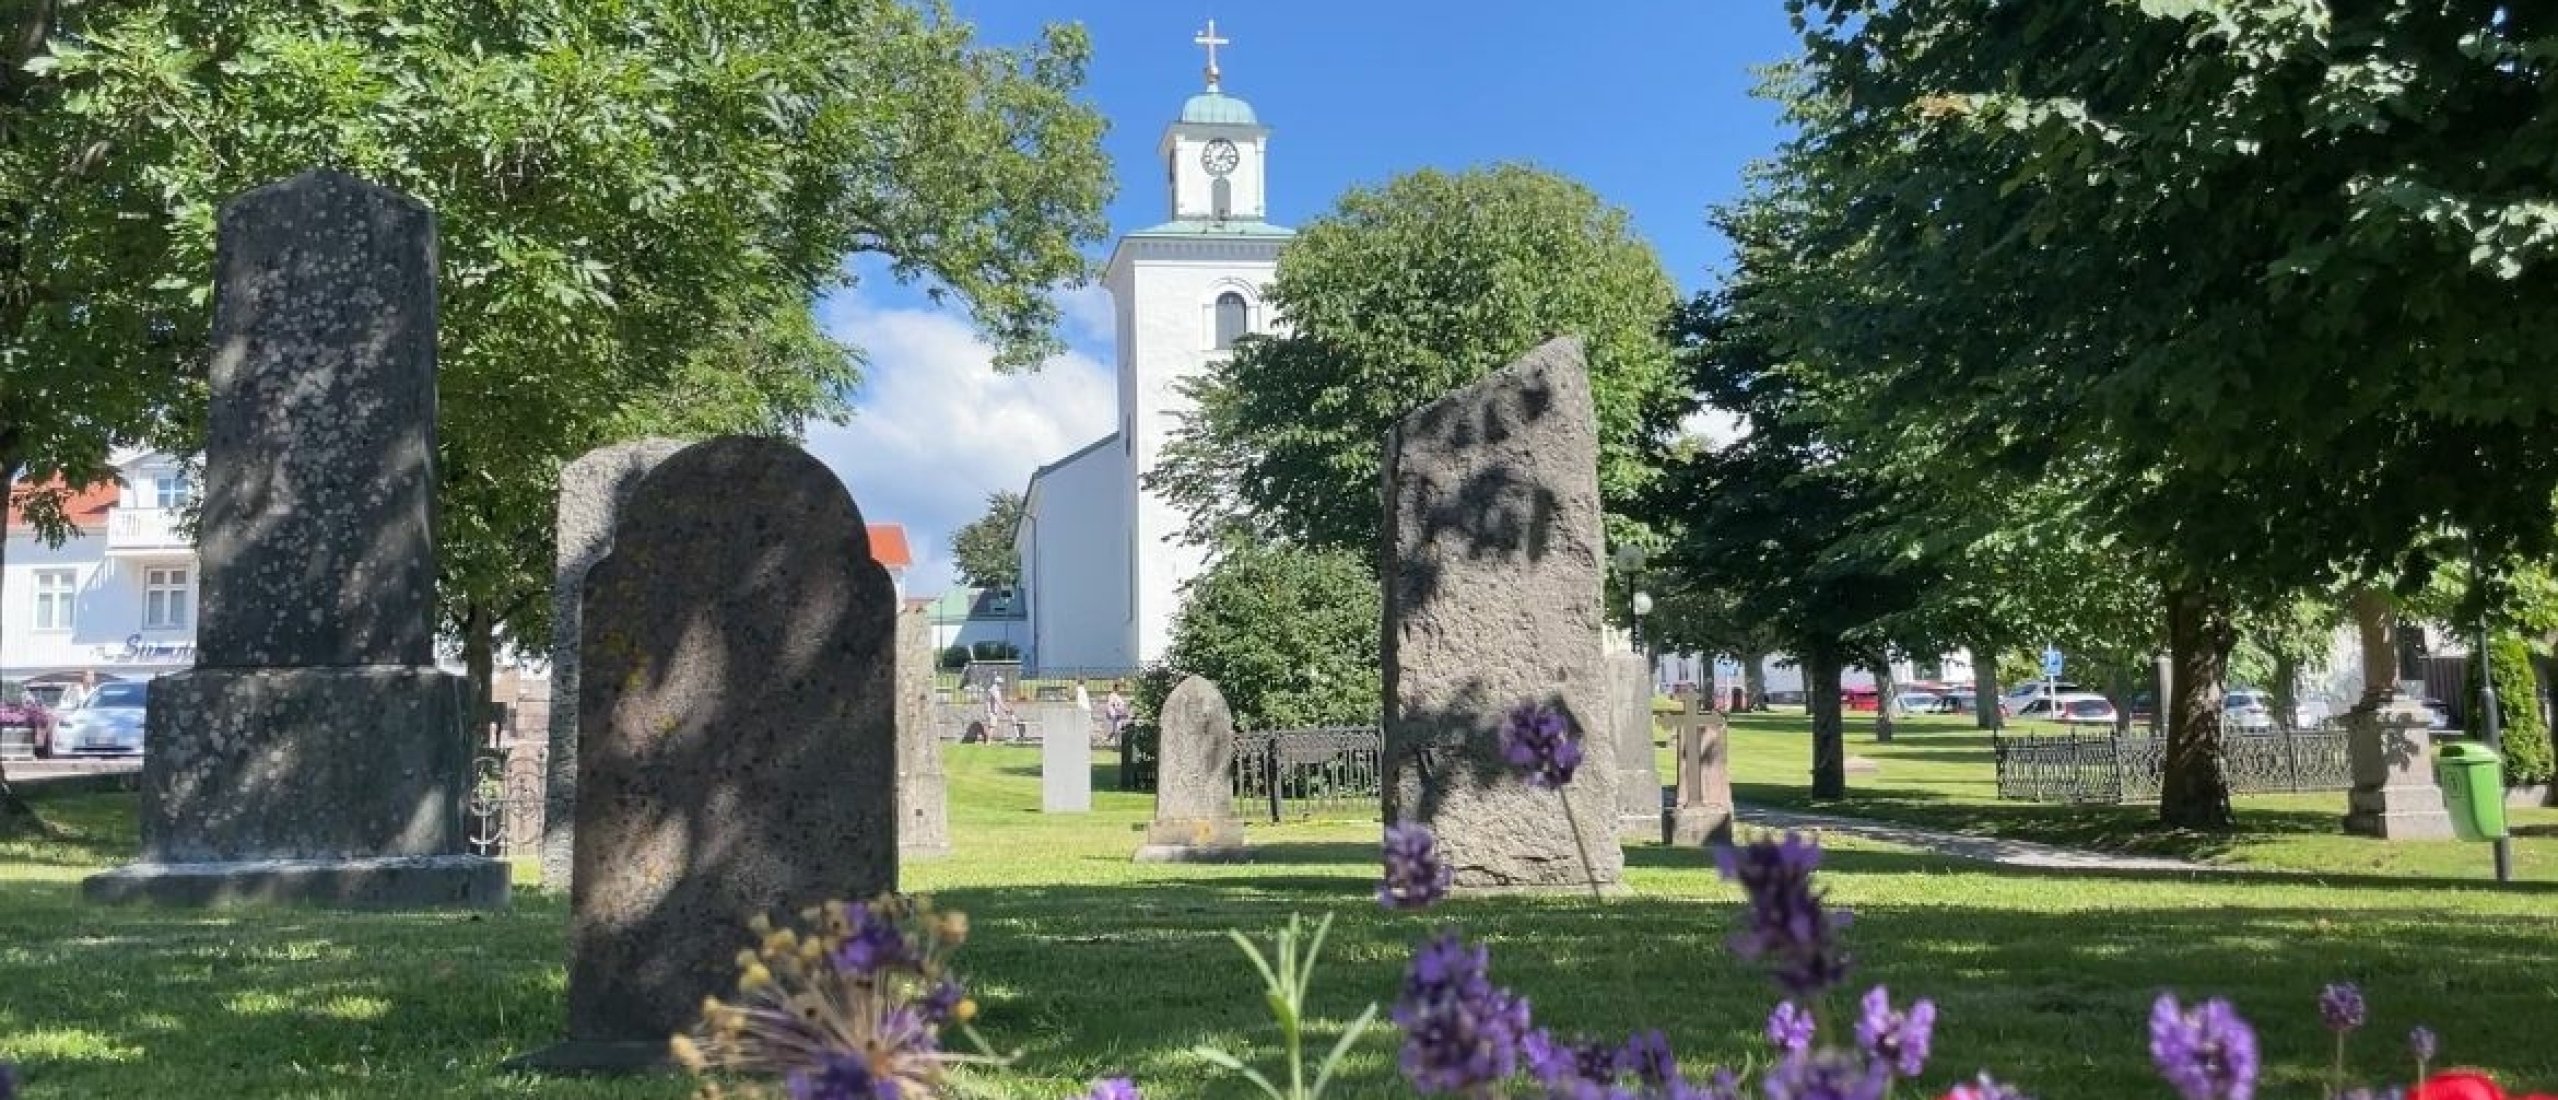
(1716, 427)
(935, 428)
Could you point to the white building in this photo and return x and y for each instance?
(119, 597)
(1102, 564)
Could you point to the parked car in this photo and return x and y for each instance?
(2018, 698)
(1960, 701)
(2247, 710)
(108, 722)
(20, 708)
(2075, 708)
(1919, 702)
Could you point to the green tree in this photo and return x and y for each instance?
(982, 551)
(1400, 295)
(639, 201)
(2524, 730)
(1289, 634)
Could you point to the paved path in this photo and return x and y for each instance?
(2013, 853)
(37, 773)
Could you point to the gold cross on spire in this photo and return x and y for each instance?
(1209, 39)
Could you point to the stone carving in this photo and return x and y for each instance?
(1638, 774)
(1194, 790)
(923, 806)
(1492, 578)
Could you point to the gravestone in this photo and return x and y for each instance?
(1194, 790)
(1065, 758)
(737, 736)
(2389, 745)
(1492, 576)
(923, 808)
(1638, 774)
(314, 754)
(1704, 811)
(592, 490)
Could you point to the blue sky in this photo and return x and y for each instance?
(1646, 101)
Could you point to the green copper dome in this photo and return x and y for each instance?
(1218, 108)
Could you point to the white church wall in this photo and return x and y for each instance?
(1074, 554)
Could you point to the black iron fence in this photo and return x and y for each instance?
(508, 789)
(1323, 772)
(2114, 769)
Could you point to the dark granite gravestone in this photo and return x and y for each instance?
(1492, 571)
(738, 736)
(923, 799)
(1638, 771)
(314, 754)
(592, 490)
(1194, 792)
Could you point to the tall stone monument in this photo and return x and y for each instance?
(738, 736)
(592, 490)
(314, 754)
(1065, 758)
(1638, 774)
(2389, 736)
(1704, 807)
(1492, 570)
(923, 796)
(1194, 788)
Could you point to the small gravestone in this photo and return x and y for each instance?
(1492, 579)
(923, 809)
(592, 490)
(314, 754)
(1065, 758)
(1630, 717)
(1704, 811)
(738, 736)
(1194, 788)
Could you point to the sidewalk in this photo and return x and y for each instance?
(2012, 853)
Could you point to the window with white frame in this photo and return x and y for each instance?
(54, 589)
(170, 492)
(165, 596)
(1233, 318)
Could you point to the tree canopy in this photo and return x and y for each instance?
(982, 551)
(1288, 633)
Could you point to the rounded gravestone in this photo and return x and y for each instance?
(1194, 788)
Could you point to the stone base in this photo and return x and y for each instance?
(1194, 853)
(1696, 826)
(594, 1058)
(398, 882)
(1634, 826)
(2399, 813)
(924, 851)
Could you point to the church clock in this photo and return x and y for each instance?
(1219, 157)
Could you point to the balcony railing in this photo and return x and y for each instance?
(145, 529)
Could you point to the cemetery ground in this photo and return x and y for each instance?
(1090, 964)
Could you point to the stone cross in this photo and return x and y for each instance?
(923, 800)
(314, 754)
(1194, 786)
(738, 735)
(1638, 773)
(1492, 600)
(592, 491)
(1704, 813)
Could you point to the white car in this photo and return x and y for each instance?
(2247, 711)
(108, 722)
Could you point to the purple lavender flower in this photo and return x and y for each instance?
(2420, 1042)
(1647, 1057)
(1790, 1028)
(1416, 878)
(1540, 743)
(1827, 1075)
(1788, 925)
(1896, 1039)
(940, 1005)
(1115, 1088)
(1569, 1069)
(1722, 1086)
(2207, 1053)
(8, 1081)
(875, 943)
(1460, 1031)
(1984, 1087)
(841, 1075)
(2340, 1006)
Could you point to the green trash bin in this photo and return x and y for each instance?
(2473, 782)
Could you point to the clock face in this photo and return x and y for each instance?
(1219, 157)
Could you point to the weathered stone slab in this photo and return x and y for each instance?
(592, 491)
(314, 740)
(1194, 788)
(923, 800)
(318, 543)
(1703, 814)
(1065, 757)
(737, 742)
(1638, 771)
(1492, 585)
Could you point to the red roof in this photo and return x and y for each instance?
(888, 545)
(87, 507)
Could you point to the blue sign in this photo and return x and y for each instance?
(2051, 663)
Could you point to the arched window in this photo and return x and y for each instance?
(1221, 198)
(1231, 318)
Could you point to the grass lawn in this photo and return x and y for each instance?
(1091, 964)
(1938, 773)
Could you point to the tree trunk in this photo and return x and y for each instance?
(2286, 689)
(1754, 680)
(479, 668)
(2371, 631)
(16, 815)
(2195, 793)
(1887, 695)
(1829, 734)
(1985, 688)
(2118, 686)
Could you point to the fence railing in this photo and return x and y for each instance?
(508, 788)
(1322, 772)
(2105, 768)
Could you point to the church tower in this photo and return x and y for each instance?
(1183, 291)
